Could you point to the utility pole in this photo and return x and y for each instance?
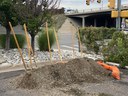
(118, 19)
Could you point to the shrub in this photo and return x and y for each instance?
(117, 49)
(91, 35)
(20, 39)
(43, 41)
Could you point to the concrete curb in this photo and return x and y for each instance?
(115, 64)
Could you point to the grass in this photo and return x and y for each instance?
(43, 41)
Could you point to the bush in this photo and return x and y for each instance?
(90, 36)
(117, 49)
(20, 39)
(43, 42)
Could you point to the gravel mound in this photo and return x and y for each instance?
(75, 71)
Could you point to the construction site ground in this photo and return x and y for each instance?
(78, 77)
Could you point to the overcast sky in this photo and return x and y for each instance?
(81, 4)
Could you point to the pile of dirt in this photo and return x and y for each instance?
(73, 72)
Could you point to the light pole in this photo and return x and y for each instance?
(102, 5)
(118, 19)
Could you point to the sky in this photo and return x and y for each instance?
(81, 4)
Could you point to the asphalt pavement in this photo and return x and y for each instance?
(10, 74)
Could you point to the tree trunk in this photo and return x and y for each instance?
(33, 42)
(7, 44)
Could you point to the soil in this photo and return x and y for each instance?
(75, 71)
(78, 77)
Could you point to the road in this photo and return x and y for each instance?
(7, 75)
